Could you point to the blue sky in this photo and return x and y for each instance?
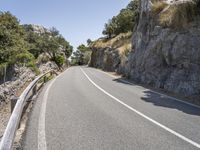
(77, 20)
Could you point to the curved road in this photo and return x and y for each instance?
(86, 109)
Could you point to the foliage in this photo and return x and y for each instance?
(22, 45)
(34, 41)
(89, 41)
(77, 58)
(124, 21)
(86, 57)
(11, 38)
(59, 60)
(83, 48)
(81, 56)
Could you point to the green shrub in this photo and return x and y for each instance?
(33, 67)
(59, 60)
(24, 58)
(123, 22)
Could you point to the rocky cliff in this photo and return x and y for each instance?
(14, 77)
(105, 58)
(163, 57)
(21, 77)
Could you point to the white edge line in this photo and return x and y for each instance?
(142, 115)
(41, 125)
(173, 98)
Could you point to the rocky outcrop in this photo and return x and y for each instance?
(9, 88)
(166, 58)
(105, 58)
(36, 29)
(161, 57)
(21, 76)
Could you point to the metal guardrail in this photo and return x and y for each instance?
(13, 124)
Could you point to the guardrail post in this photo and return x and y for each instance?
(45, 79)
(35, 89)
(13, 102)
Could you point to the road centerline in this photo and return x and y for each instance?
(143, 115)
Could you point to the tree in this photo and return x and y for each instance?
(77, 58)
(34, 41)
(86, 52)
(81, 56)
(54, 32)
(56, 47)
(21, 44)
(83, 48)
(59, 60)
(124, 21)
(89, 41)
(12, 43)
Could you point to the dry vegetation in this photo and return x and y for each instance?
(176, 16)
(158, 7)
(122, 42)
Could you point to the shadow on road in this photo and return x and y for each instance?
(162, 101)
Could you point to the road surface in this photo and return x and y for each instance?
(86, 109)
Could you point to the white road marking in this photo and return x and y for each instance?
(143, 115)
(41, 125)
(164, 95)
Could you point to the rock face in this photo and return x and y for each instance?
(161, 57)
(105, 58)
(21, 76)
(36, 28)
(166, 58)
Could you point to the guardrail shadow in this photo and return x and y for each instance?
(163, 100)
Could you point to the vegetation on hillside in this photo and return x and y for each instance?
(124, 22)
(13, 48)
(20, 44)
(118, 30)
(121, 42)
(82, 55)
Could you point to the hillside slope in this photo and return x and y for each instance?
(108, 53)
(165, 53)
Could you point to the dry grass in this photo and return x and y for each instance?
(122, 42)
(179, 15)
(158, 7)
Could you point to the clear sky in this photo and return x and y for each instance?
(77, 20)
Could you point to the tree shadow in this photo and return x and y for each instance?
(162, 100)
(165, 101)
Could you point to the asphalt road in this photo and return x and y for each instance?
(86, 109)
